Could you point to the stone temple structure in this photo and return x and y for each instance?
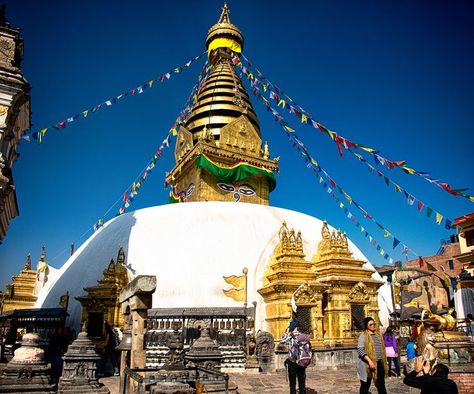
(14, 116)
(223, 223)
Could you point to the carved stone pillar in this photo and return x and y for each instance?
(137, 297)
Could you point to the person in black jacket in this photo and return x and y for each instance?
(431, 382)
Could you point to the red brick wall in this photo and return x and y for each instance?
(439, 260)
(464, 380)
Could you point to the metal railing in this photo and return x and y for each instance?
(201, 375)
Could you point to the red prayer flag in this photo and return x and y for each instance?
(420, 205)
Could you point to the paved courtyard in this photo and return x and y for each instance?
(342, 381)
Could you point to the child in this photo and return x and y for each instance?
(411, 354)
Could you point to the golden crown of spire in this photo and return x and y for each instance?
(224, 28)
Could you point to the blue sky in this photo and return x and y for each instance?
(395, 76)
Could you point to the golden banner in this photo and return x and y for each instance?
(236, 294)
(236, 281)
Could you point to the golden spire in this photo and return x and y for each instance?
(222, 98)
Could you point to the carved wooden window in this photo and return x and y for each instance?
(303, 315)
(357, 317)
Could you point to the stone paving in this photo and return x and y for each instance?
(342, 381)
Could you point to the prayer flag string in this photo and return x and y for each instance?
(39, 135)
(330, 188)
(410, 198)
(285, 101)
(134, 188)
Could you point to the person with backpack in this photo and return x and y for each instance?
(110, 354)
(299, 356)
(372, 363)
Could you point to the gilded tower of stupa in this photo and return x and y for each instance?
(219, 152)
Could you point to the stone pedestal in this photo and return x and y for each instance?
(205, 353)
(172, 388)
(252, 365)
(27, 372)
(79, 370)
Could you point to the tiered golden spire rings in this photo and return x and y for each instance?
(221, 100)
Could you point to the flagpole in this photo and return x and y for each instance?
(245, 272)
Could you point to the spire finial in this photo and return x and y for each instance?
(225, 15)
(28, 262)
(43, 253)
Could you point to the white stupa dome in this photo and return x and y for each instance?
(189, 247)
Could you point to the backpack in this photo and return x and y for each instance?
(300, 351)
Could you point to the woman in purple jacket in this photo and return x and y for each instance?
(391, 350)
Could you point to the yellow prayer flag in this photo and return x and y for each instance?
(382, 252)
(236, 281)
(150, 83)
(288, 128)
(397, 188)
(471, 198)
(367, 149)
(174, 132)
(386, 234)
(304, 118)
(43, 131)
(332, 134)
(360, 157)
(236, 294)
(341, 205)
(348, 198)
(409, 170)
(314, 161)
(321, 180)
(439, 217)
(282, 103)
(447, 281)
(362, 229)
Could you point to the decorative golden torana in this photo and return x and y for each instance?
(102, 301)
(332, 293)
(223, 126)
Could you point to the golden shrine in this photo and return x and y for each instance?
(331, 294)
(101, 303)
(219, 153)
(20, 294)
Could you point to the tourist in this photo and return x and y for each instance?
(56, 353)
(411, 354)
(294, 338)
(391, 350)
(372, 363)
(110, 354)
(431, 382)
